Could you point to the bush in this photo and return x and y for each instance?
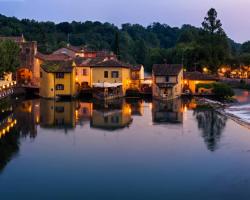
(204, 85)
(222, 90)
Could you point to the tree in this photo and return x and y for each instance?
(215, 45)
(9, 56)
(117, 45)
(222, 90)
(211, 24)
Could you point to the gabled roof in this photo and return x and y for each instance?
(111, 63)
(87, 62)
(76, 49)
(199, 76)
(166, 69)
(57, 66)
(52, 57)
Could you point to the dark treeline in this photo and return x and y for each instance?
(156, 43)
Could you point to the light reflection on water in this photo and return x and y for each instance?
(126, 149)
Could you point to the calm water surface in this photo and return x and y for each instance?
(124, 150)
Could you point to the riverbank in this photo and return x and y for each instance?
(238, 111)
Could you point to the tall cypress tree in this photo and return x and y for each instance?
(117, 45)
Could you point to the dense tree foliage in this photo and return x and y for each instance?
(9, 56)
(156, 43)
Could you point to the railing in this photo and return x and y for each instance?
(6, 88)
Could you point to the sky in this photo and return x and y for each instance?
(234, 14)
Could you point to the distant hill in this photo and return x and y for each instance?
(156, 43)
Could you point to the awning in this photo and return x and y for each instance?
(106, 85)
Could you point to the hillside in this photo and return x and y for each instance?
(156, 43)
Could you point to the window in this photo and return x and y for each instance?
(59, 109)
(59, 87)
(167, 78)
(115, 119)
(106, 74)
(59, 75)
(115, 74)
(85, 72)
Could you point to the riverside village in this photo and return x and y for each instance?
(90, 110)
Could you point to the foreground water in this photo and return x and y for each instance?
(125, 150)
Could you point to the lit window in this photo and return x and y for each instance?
(59, 75)
(59, 87)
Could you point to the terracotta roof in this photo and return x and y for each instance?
(52, 57)
(57, 66)
(111, 63)
(87, 62)
(199, 76)
(166, 69)
(76, 49)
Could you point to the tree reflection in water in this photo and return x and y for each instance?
(212, 124)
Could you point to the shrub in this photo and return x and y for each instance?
(222, 90)
(204, 85)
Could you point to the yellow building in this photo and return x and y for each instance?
(57, 79)
(137, 77)
(83, 72)
(192, 79)
(110, 79)
(167, 81)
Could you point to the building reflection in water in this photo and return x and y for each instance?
(211, 124)
(167, 111)
(57, 114)
(83, 112)
(136, 106)
(111, 115)
(27, 114)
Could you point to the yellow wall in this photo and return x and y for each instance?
(124, 76)
(80, 78)
(48, 83)
(192, 83)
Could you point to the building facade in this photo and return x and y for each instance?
(167, 81)
(58, 79)
(193, 80)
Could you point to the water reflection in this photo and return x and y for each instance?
(211, 124)
(111, 116)
(24, 119)
(167, 111)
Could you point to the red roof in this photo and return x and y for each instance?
(53, 57)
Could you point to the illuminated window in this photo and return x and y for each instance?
(59, 87)
(59, 75)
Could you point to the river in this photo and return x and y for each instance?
(129, 149)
